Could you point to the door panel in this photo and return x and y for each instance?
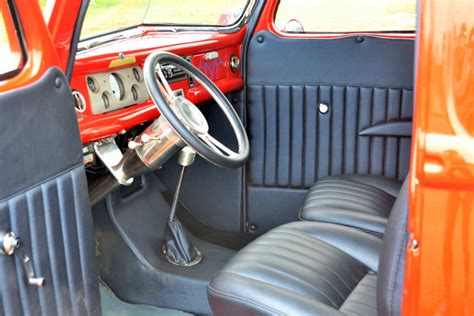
(367, 84)
(44, 201)
(43, 191)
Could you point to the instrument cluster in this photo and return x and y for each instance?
(110, 91)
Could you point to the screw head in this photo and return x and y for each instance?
(58, 82)
(260, 39)
(323, 108)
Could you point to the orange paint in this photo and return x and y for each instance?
(439, 278)
(41, 54)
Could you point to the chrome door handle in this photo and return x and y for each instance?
(10, 244)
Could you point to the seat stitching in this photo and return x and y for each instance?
(280, 287)
(325, 251)
(367, 203)
(277, 271)
(363, 195)
(239, 298)
(371, 192)
(329, 250)
(324, 266)
(324, 187)
(349, 297)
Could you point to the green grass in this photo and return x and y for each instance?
(349, 15)
(106, 15)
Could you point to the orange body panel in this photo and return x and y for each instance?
(41, 53)
(439, 276)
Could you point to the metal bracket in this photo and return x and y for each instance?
(110, 154)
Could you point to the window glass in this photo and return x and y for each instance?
(47, 6)
(10, 51)
(108, 15)
(327, 16)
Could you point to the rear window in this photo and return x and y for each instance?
(11, 54)
(346, 16)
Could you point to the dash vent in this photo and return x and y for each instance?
(79, 101)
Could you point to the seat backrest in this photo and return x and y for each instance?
(391, 272)
(44, 201)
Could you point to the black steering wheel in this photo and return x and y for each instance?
(187, 120)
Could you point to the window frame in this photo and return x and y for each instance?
(403, 33)
(231, 28)
(13, 15)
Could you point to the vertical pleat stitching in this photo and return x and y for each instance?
(66, 238)
(370, 139)
(51, 247)
(34, 248)
(277, 130)
(343, 134)
(303, 145)
(264, 128)
(357, 105)
(290, 131)
(80, 246)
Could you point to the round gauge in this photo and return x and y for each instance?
(137, 75)
(116, 86)
(92, 84)
(135, 93)
(105, 100)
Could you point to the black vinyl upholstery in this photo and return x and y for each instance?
(44, 200)
(367, 82)
(315, 268)
(360, 201)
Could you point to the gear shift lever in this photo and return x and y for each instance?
(178, 248)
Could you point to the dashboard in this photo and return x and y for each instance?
(108, 86)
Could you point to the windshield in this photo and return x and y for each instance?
(108, 15)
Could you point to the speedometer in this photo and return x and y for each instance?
(116, 86)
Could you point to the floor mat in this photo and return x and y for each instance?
(113, 306)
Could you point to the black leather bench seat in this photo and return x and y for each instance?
(360, 201)
(301, 267)
(312, 268)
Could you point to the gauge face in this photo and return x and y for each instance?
(135, 93)
(137, 75)
(106, 100)
(92, 84)
(116, 86)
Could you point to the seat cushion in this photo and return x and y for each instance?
(301, 268)
(360, 201)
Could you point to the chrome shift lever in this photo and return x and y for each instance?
(178, 248)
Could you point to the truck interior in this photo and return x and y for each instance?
(254, 166)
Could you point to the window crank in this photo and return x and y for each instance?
(10, 244)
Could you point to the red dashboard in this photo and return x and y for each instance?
(127, 53)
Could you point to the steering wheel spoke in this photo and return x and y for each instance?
(216, 145)
(165, 87)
